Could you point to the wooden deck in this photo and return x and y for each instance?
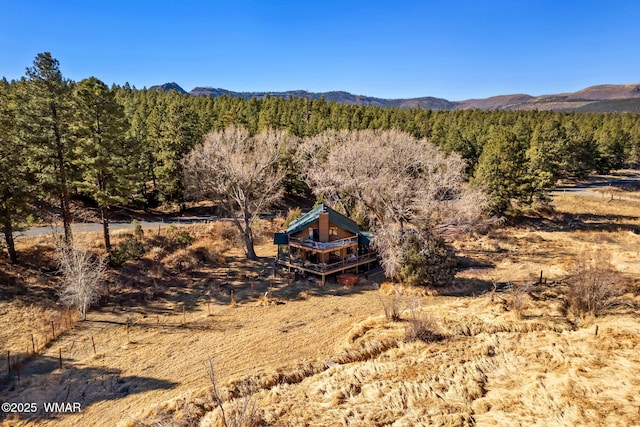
(322, 269)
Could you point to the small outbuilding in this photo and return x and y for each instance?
(324, 242)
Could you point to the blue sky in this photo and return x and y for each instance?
(392, 49)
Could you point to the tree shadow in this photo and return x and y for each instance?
(296, 290)
(470, 287)
(568, 222)
(15, 284)
(42, 380)
(465, 262)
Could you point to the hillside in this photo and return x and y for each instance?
(335, 96)
(597, 99)
(169, 86)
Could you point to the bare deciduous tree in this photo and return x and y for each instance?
(399, 181)
(240, 172)
(595, 284)
(82, 276)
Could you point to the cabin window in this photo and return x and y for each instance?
(333, 231)
(314, 234)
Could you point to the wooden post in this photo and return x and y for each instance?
(33, 343)
(252, 286)
(94, 345)
(184, 315)
(60, 357)
(208, 308)
(540, 281)
(233, 297)
(53, 331)
(596, 331)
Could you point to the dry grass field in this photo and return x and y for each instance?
(496, 348)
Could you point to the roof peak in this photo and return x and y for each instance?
(336, 217)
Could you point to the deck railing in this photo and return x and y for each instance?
(325, 267)
(323, 245)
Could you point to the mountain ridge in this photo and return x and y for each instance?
(597, 98)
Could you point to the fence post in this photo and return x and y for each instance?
(53, 331)
(33, 343)
(60, 357)
(94, 345)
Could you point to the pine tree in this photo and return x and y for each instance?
(104, 150)
(176, 134)
(17, 174)
(46, 116)
(504, 171)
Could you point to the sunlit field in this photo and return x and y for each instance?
(499, 347)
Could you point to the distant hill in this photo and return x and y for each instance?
(501, 101)
(596, 99)
(336, 96)
(169, 86)
(600, 98)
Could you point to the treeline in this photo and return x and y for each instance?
(119, 145)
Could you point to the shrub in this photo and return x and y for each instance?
(203, 255)
(227, 232)
(595, 284)
(138, 232)
(517, 299)
(184, 239)
(82, 277)
(127, 249)
(392, 300)
(427, 259)
(421, 326)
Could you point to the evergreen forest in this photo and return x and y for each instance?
(118, 145)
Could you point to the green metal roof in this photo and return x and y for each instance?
(314, 214)
(364, 238)
(280, 239)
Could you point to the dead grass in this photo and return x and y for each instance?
(506, 372)
(327, 356)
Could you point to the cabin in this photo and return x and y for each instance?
(323, 242)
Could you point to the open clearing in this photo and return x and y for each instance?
(315, 355)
